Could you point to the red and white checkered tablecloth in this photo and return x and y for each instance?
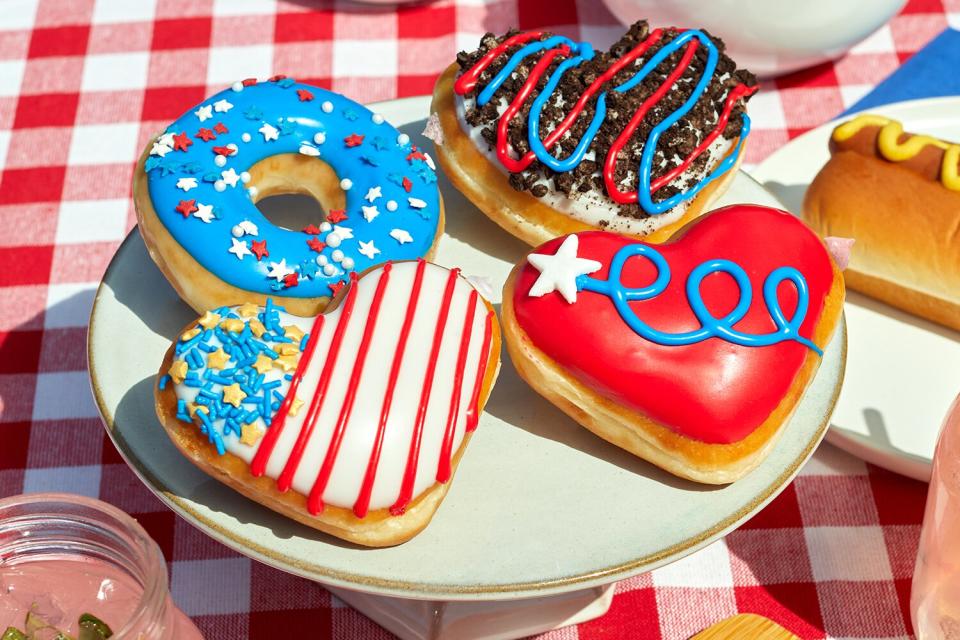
(83, 83)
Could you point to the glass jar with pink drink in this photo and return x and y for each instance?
(74, 568)
(935, 596)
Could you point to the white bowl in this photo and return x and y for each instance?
(770, 37)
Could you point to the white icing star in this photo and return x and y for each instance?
(159, 149)
(279, 270)
(204, 113)
(401, 235)
(230, 177)
(248, 227)
(367, 249)
(239, 249)
(369, 213)
(269, 132)
(166, 140)
(559, 272)
(372, 194)
(417, 203)
(204, 212)
(187, 183)
(307, 150)
(345, 233)
(222, 106)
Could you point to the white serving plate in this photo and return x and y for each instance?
(903, 372)
(539, 506)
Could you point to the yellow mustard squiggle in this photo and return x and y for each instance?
(894, 151)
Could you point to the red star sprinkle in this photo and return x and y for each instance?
(336, 286)
(249, 82)
(316, 245)
(353, 140)
(206, 135)
(221, 128)
(291, 280)
(223, 151)
(407, 185)
(186, 207)
(336, 215)
(277, 77)
(259, 249)
(304, 95)
(416, 155)
(311, 229)
(181, 141)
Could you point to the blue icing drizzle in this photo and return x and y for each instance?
(711, 326)
(292, 125)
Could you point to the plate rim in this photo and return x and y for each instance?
(426, 591)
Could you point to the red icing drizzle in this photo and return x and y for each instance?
(446, 448)
(473, 415)
(713, 391)
(315, 499)
(410, 473)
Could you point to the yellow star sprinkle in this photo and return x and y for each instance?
(189, 334)
(178, 371)
(192, 408)
(209, 320)
(294, 332)
(234, 325)
(248, 310)
(287, 363)
(263, 364)
(250, 434)
(233, 394)
(295, 406)
(218, 359)
(257, 328)
(289, 349)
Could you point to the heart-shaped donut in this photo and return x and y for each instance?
(691, 354)
(351, 422)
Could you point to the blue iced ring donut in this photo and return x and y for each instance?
(197, 175)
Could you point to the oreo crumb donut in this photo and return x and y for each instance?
(197, 184)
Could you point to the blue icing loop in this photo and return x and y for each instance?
(249, 123)
(711, 326)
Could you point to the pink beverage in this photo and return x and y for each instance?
(64, 558)
(935, 597)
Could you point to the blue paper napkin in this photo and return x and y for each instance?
(932, 72)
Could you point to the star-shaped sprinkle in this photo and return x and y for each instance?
(166, 140)
(295, 406)
(309, 269)
(256, 327)
(223, 151)
(189, 334)
(401, 235)
(206, 134)
(151, 163)
(336, 215)
(177, 371)
(218, 359)
(230, 177)
(248, 310)
(350, 114)
(291, 280)
(368, 249)
(353, 140)
(373, 193)
(253, 113)
(279, 270)
(259, 248)
(287, 363)
(249, 82)
(406, 184)
(209, 320)
(336, 286)
(263, 364)
(293, 332)
(379, 144)
(250, 434)
(307, 150)
(315, 244)
(220, 128)
(204, 212)
(248, 227)
(239, 248)
(222, 106)
(181, 141)
(304, 95)
(204, 113)
(559, 272)
(269, 132)
(416, 203)
(187, 183)
(312, 229)
(159, 149)
(288, 349)
(233, 325)
(345, 233)
(287, 127)
(186, 207)
(233, 394)
(369, 213)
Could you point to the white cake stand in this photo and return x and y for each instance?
(543, 517)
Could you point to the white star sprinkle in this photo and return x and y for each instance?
(367, 249)
(204, 113)
(372, 194)
(187, 183)
(204, 212)
(401, 235)
(307, 150)
(248, 227)
(222, 106)
(160, 149)
(559, 272)
(279, 270)
(166, 140)
(230, 177)
(369, 213)
(345, 233)
(239, 249)
(269, 132)
(417, 203)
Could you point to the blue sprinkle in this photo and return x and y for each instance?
(380, 144)
(272, 385)
(287, 127)
(253, 113)
(395, 178)
(220, 379)
(209, 348)
(303, 341)
(190, 167)
(350, 114)
(229, 373)
(206, 393)
(270, 352)
(164, 381)
(152, 163)
(210, 177)
(286, 83)
(193, 382)
(288, 376)
(370, 161)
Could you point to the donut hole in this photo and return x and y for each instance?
(293, 190)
